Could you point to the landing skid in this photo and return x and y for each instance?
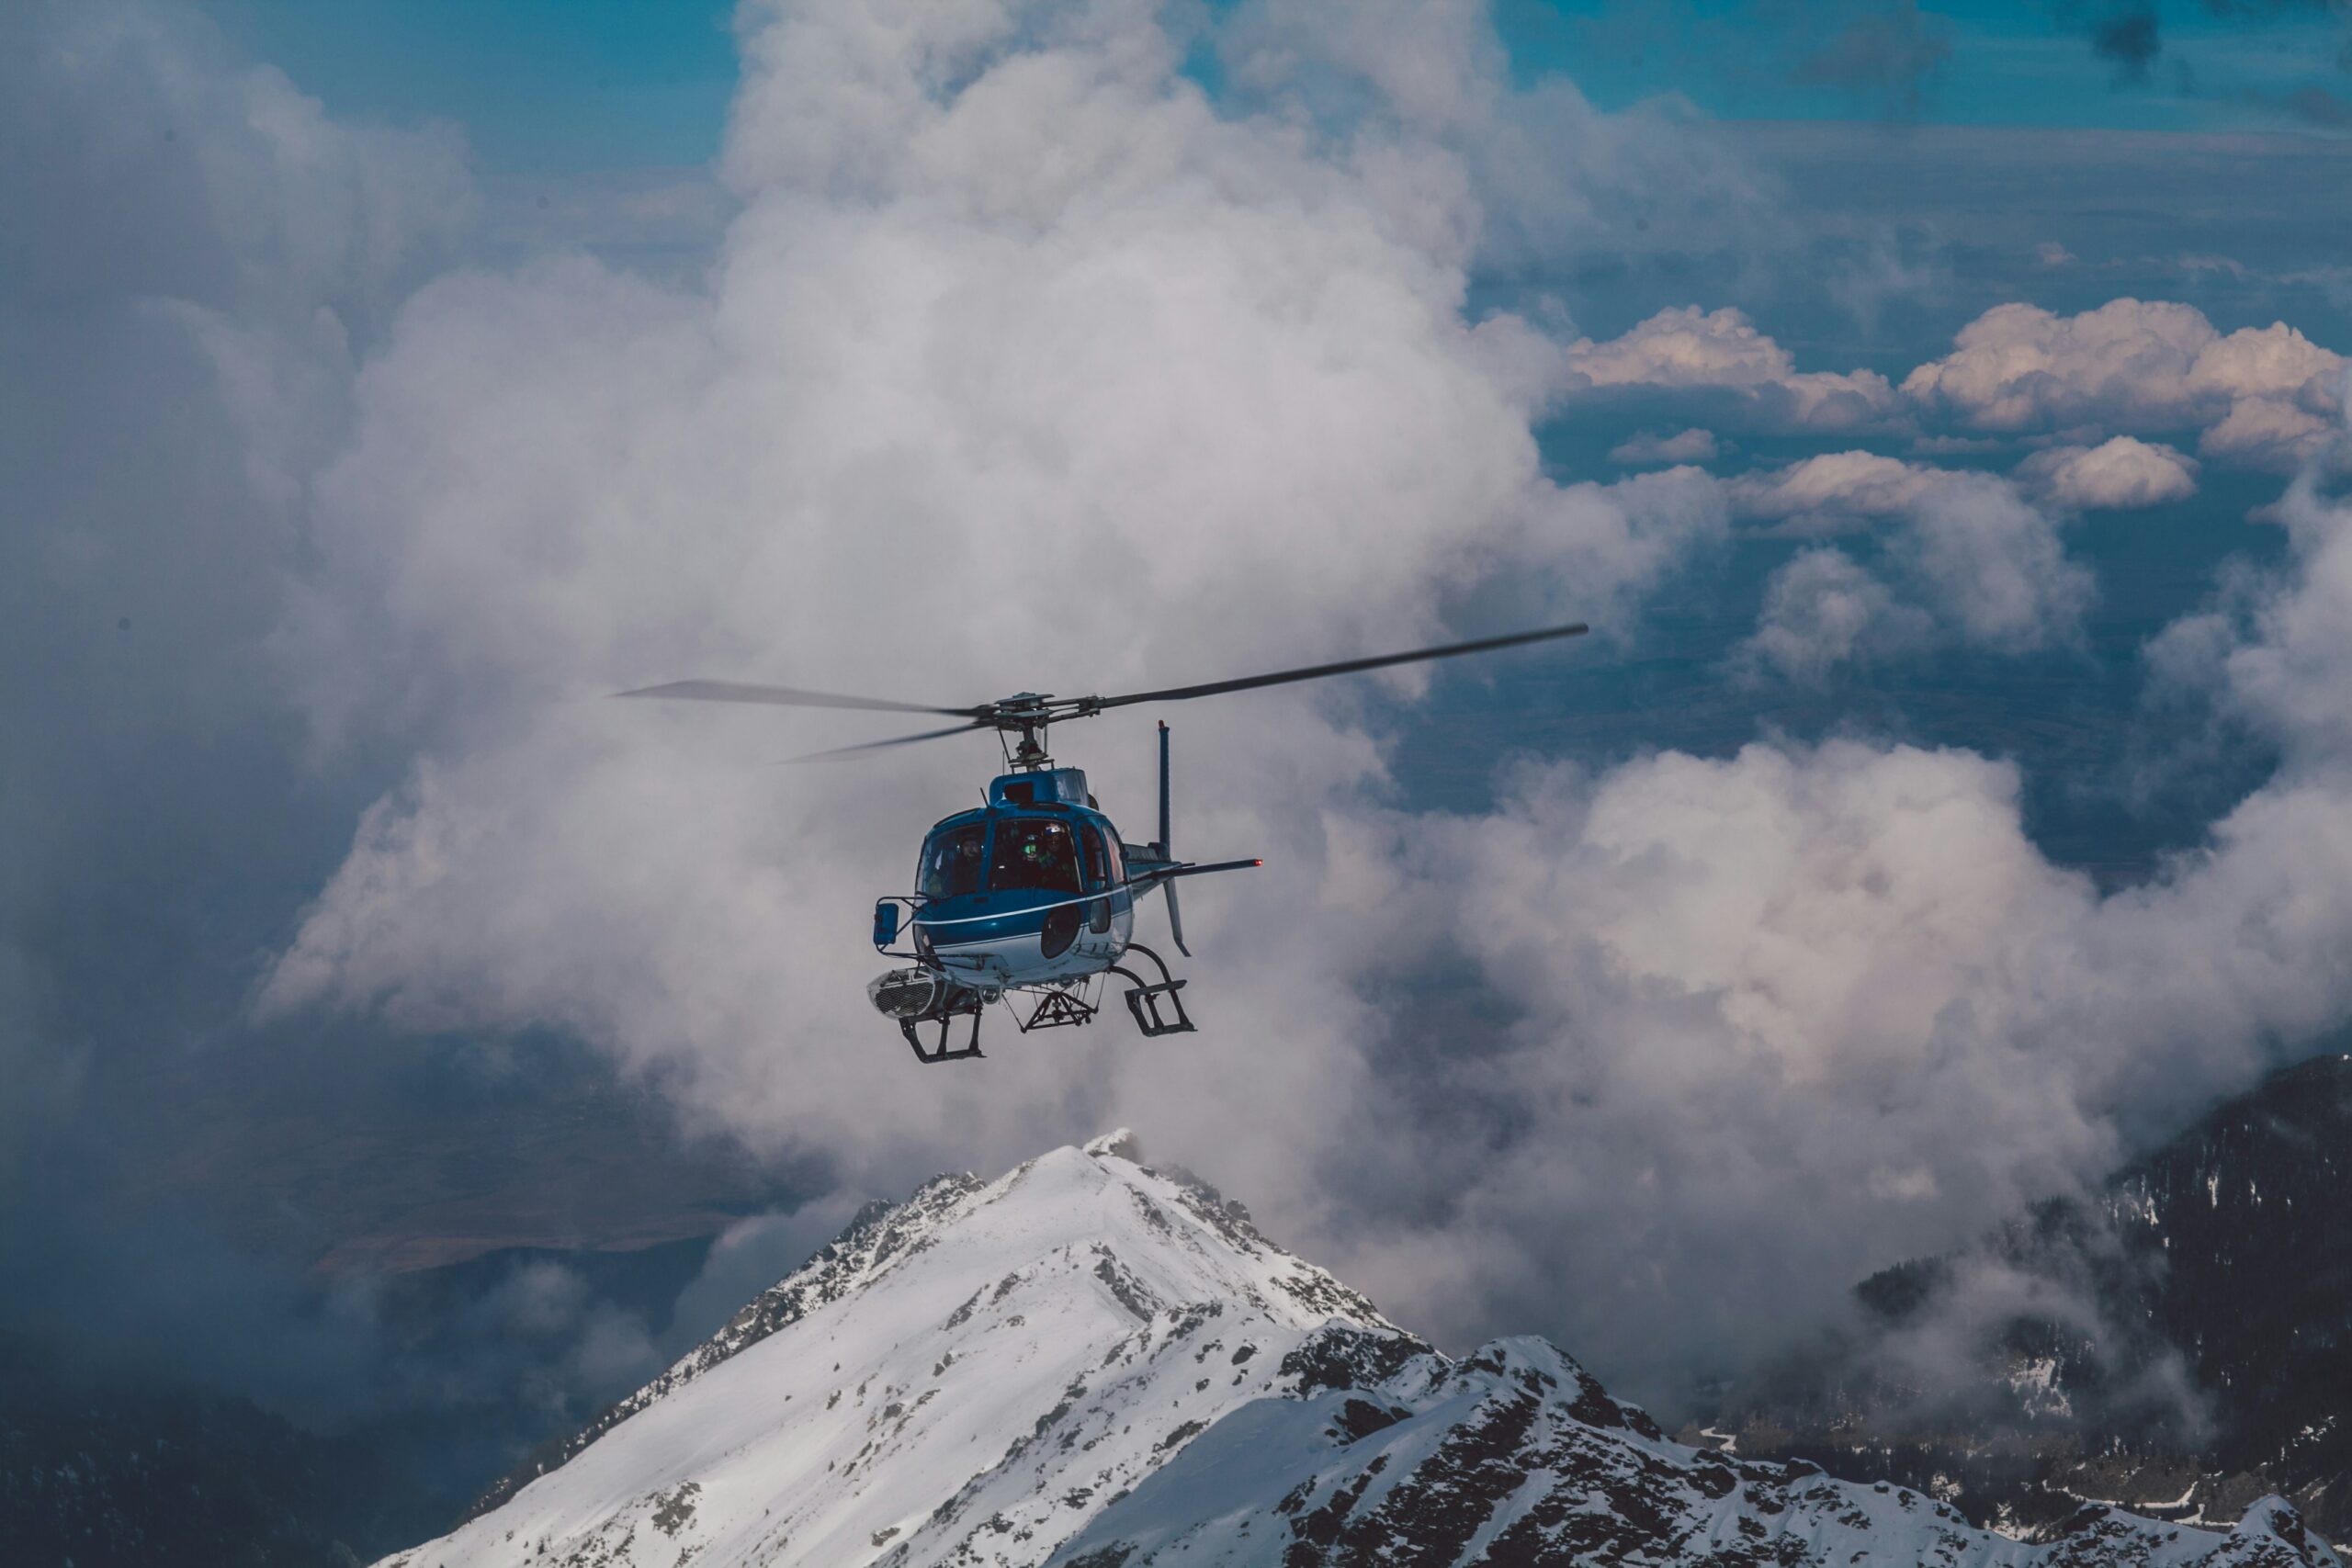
(1157, 1008)
(1155, 1004)
(939, 1051)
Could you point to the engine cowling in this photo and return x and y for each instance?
(916, 993)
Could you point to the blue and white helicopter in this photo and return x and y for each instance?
(1036, 892)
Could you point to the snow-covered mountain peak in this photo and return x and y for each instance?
(965, 1375)
(1118, 1143)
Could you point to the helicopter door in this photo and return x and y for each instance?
(1098, 879)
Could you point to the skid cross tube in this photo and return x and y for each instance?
(1058, 1010)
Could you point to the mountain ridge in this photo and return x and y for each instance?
(1093, 1362)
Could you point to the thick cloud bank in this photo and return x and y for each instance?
(1025, 367)
(193, 250)
(1786, 1011)
(1020, 369)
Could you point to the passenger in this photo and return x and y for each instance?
(1033, 853)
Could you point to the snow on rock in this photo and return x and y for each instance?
(1102, 1365)
(966, 1377)
(1514, 1458)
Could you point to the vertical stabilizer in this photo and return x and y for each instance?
(1166, 845)
(1168, 885)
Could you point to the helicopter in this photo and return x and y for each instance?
(1034, 891)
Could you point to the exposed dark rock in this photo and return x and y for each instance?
(2198, 1355)
(1489, 1462)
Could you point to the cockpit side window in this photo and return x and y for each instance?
(1035, 853)
(1098, 862)
(951, 861)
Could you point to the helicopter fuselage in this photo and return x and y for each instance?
(1033, 892)
(1030, 890)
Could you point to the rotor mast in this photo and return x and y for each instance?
(1028, 714)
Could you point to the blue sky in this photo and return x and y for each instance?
(2016, 62)
(540, 86)
(595, 123)
(567, 85)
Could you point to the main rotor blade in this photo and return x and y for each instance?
(1346, 666)
(894, 741)
(781, 696)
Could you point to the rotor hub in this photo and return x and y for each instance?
(1028, 714)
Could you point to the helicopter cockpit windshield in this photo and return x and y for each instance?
(1033, 853)
(952, 861)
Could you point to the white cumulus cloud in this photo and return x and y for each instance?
(1649, 449)
(2262, 396)
(1993, 566)
(1833, 491)
(1967, 559)
(1822, 611)
(2122, 471)
(1687, 349)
